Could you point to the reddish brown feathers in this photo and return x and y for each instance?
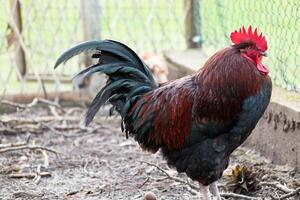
(170, 108)
(214, 94)
(226, 80)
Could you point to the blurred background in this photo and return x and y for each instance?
(35, 32)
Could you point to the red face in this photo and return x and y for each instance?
(255, 55)
(255, 49)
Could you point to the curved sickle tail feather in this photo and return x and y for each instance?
(128, 76)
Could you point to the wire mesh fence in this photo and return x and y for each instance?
(35, 32)
(278, 20)
(49, 27)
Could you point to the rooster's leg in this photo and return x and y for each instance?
(204, 191)
(215, 191)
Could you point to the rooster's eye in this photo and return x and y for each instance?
(249, 48)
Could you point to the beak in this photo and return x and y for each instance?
(264, 54)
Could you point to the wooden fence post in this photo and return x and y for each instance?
(193, 24)
(17, 20)
(91, 13)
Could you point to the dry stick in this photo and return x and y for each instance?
(16, 148)
(34, 102)
(10, 103)
(50, 128)
(37, 177)
(293, 193)
(171, 177)
(192, 191)
(39, 127)
(228, 195)
(72, 110)
(53, 111)
(8, 145)
(22, 120)
(147, 179)
(29, 175)
(46, 159)
(8, 131)
(69, 127)
(278, 186)
(239, 196)
(27, 126)
(85, 167)
(195, 187)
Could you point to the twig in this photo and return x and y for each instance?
(193, 191)
(27, 195)
(171, 177)
(69, 127)
(43, 84)
(85, 167)
(9, 145)
(53, 111)
(29, 175)
(239, 196)
(72, 110)
(46, 159)
(293, 193)
(278, 186)
(147, 179)
(34, 102)
(44, 101)
(8, 131)
(37, 178)
(22, 120)
(228, 195)
(17, 148)
(192, 186)
(10, 103)
(50, 128)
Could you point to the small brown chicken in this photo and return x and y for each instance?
(157, 66)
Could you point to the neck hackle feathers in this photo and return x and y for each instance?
(242, 35)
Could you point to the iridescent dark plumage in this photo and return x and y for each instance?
(196, 121)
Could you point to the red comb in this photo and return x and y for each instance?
(243, 36)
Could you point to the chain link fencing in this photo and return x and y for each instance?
(35, 32)
(279, 20)
(29, 50)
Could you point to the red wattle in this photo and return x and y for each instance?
(260, 67)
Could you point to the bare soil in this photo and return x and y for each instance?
(98, 162)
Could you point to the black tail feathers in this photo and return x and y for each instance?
(128, 76)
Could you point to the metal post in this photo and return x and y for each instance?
(193, 24)
(17, 20)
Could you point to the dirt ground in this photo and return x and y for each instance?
(98, 162)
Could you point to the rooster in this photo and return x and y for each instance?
(196, 121)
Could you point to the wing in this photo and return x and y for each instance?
(184, 113)
(252, 109)
(168, 117)
(162, 117)
(228, 119)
